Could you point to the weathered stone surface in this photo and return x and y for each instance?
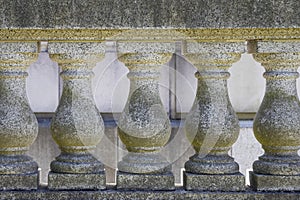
(264, 182)
(18, 125)
(144, 126)
(210, 182)
(162, 35)
(212, 125)
(145, 14)
(130, 181)
(19, 181)
(77, 126)
(120, 194)
(144, 162)
(60, 181)
(276, 124)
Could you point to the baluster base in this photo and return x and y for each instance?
(66, 181)
(263, 182)
(128, 181)
(144, 163)
(210, 182)
(19, 181)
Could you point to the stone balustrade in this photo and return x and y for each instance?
(144, 126)
(211, 127)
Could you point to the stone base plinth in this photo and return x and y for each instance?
(207, 182)
(262, 182)
(112, 194)
(19, 181)
(129, 181)
(60, 181)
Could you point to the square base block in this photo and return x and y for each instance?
(19, 181)
(129, 181)
(60, 181)
(207, 182)
(262, 182)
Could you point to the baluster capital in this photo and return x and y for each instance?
(76, 59)
(214, 48)
(278, 56)
(15, 57)
(144, 56)
(212, 59)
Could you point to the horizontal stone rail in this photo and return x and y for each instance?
(213, 34)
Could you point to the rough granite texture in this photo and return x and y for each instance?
(19, 181)
(127, 181)
(276, 124)
(77, 126)
(122, 195)
(18, 124)
(144, 126)
(207, 182)
(212, 125)
(73, 127)
(263, 182)
(148, 13)
(60, 181)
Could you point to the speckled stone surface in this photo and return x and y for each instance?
(122, 195)
(19, 181)
(18, 124)
(212, 125)
(60, 181)
(144, 126)
(146, 13)
(276, 124)
(77, 126)
(130, 181)
(208, 182)
(265, 182)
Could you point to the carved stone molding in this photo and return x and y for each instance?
(96, 35)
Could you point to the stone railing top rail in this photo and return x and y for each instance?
(119, 14)
(99, 20)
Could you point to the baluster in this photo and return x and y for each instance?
(77, 126)
(144, 126)
(18, 124)
(276, 125)
(212, 126)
